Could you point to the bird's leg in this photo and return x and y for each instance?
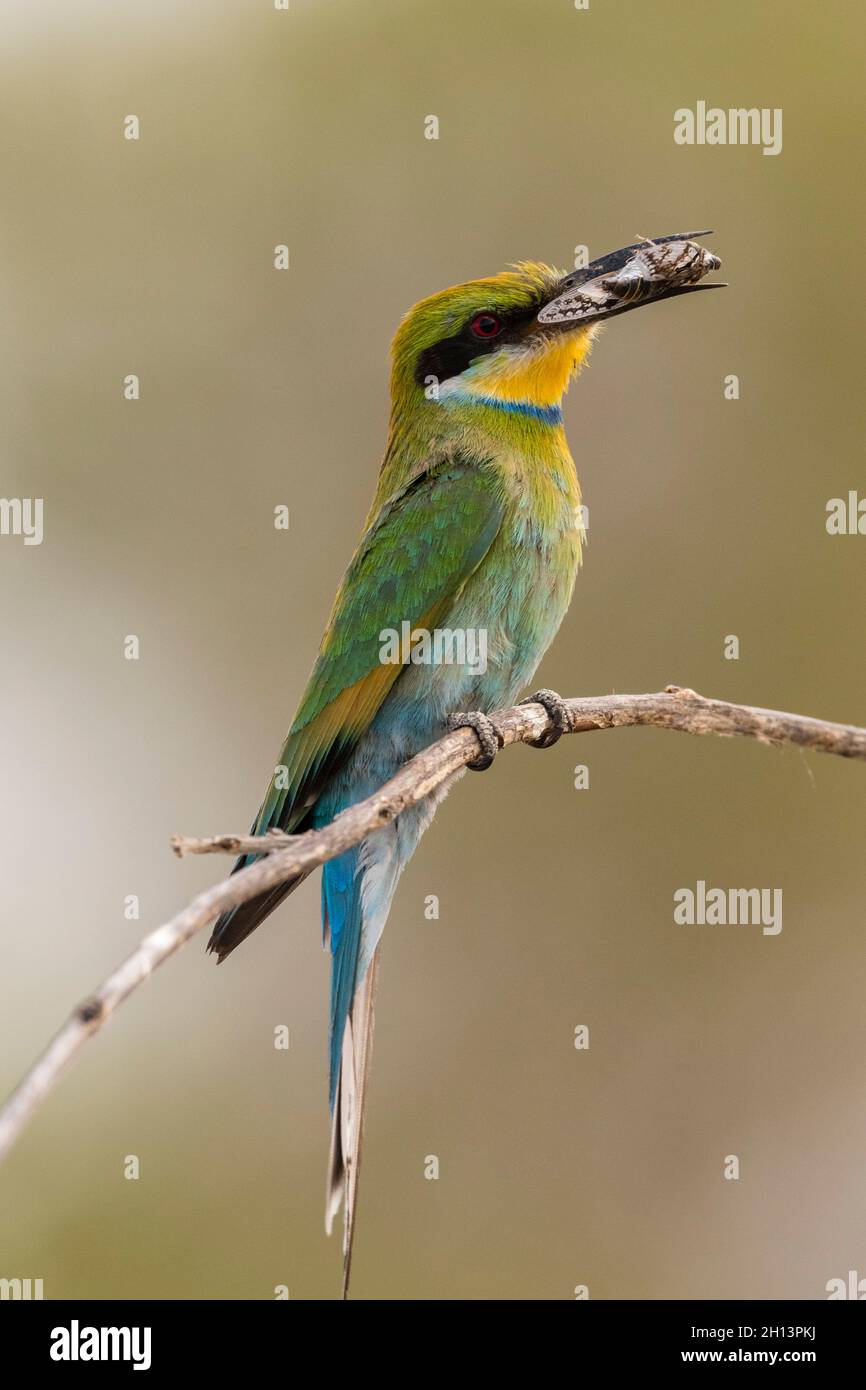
(488, 736)
(559, 713)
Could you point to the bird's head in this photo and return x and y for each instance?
(521, 335)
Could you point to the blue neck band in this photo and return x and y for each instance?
(547, 414)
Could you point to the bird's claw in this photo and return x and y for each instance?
(559, 714)
(488, 736)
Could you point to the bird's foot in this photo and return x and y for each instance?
(488, 736)
(559, 713)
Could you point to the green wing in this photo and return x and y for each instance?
(410, 564)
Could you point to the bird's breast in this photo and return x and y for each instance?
(502, 621)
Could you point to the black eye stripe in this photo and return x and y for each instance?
(453, 355)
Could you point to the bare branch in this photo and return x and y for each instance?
(286, 855)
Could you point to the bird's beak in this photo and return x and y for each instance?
(648, 270)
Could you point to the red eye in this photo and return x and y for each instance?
(485, 326)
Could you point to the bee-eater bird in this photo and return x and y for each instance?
(475, 528)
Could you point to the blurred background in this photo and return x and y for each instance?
(707, 518)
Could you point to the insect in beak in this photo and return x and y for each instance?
(648, 270)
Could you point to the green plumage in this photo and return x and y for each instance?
(476, 527)
(410, 564)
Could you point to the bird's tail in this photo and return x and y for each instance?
(234, 926)
(347, 1116)
(357, 889)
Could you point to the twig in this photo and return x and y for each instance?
(286, 855)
